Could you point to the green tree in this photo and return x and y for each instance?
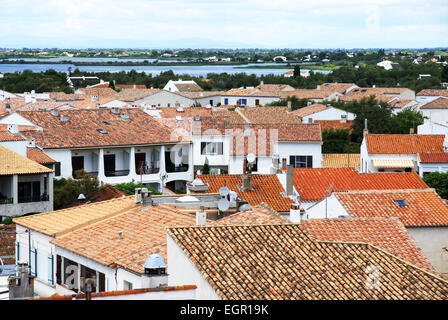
(335, 141)
(407, 119)
(296, 71)
(438, 181)
(205, 168)
(129, 188)
(444, 76)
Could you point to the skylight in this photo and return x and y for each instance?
(400, 202)
(107, 123)
(101, 131)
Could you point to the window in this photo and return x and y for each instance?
(57, 169)
(33, 262)
(400, 202)
(211, 148)
(169, 105)
(211, 102)
(50, 269)
(301, 161)
(226, 101)
(254, 165)
(257, 102)
(127, 285)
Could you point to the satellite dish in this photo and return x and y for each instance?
(224, 191)
(250, 158)
(223, 204)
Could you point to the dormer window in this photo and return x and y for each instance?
(400, 202)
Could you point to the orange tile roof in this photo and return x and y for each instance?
(388, 234)
(259, 214)
(14, 103)
(337, 87)
(81, 129)
(424, 208)
(439, 103)
(359, 93)
(131, 95)
(253, 93)
(99, 92)
(433, 92)
(106, 192)
(399, 103)
(340, 160)
(190, 112)
(335, 125)
(89, 104)
(13, 163)
(199, 94)
(308, 110)
(311, 183)
(39, 156)
(274, 87)
(267, 189)
(7, 242)
(143, 233)
(62, 96)
(130, 86)
(307, 94)
(404, 143)
(281, 262)
(433, 157)
(262, 115)
(6, 136)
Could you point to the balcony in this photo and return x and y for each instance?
(116, 173)
(6, 201)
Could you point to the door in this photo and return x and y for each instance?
(140, 162)
(77, 164)
(109, 165)
(169, 165)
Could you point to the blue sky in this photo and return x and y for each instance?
(224, 24)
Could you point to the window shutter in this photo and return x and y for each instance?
(220, 148)
(17, 252)
(50, 269)
(203, 144)
(309, 161)
(33, 262)
(292, 161)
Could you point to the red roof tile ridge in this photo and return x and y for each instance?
(386, 191)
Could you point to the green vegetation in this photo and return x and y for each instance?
(66, 191)
(26, 81)
(129, 188)
(438, 181)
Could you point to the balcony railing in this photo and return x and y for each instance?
(116, 173)
(6, 201)
(147, 170)
(182, 168)
(34, 198)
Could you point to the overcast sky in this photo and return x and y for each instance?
(224, 24)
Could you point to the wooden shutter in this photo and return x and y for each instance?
(219, 147)
(309, 161)
(50, 269)
(292, 161)
(33, 262)
(203, 145)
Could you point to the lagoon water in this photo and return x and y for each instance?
(154, 70)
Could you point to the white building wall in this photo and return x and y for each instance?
(16, 146)
(250, 101)
(211, 100)
(15, 118)
(432, 241)
(329, 114)
(436, 115)
(65, 158)
(163, 99)
(286, 149)
(425, 99)
(181, 271)
(326, 208)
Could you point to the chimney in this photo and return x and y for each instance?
(309, 103)
(289, 106)
(411, 131)
(261, 82)
(94, 98)
(289, 177)
(318, 87)
(295, 213)
(328, 105)
(197, 117)
(115, 110)
(365, 131)
(13, 129)
(343, 118)
(247, 182)
(21, 285)
(134, 86)
(373, 86)
(120, 235)
(154, 275)
(63, 118)
(214, 108)
(146, 199)
(201, 217)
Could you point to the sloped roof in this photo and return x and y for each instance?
(100, 92)
(131, 95)
(13, 163)
(39, 156)
(433, 157)
(7, 242)
(259, 214)
(261, 115)
(201, 94)
(56, 223)
(267, 189)
(130, 86)
(334, 124)
(423, 208)
(386, 233)
(281, 262)
(433, 92)
(187, 86)
(143, 233)
(252, 93)
(340, 160)
(81, 129)
(106, 192)
(274, 87)
(89, 104)
(404, 143)
(6, 136)
(311, 183)
(359, 93)
(439, 103)
(308, 110)
(337, 87)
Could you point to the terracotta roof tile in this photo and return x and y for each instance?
(187, 86)
(404, 143)
(334, 124)
(340, 160)
(267, 189)
(311, 183)
(106, 192)
(39, 156)
(131, 95)
(99, 92)
(130, 86)
(6, 136)
(439, 103)
(433, 157)
(423, 208)
(274, 87)
(259, 214)
(388, 234)
(309, 110)
(266, 115)
(433, 92)
(13, 163)
(281, 262)
(81, 129)
(359, 93)
(7, 243)
(143, 233)
(252, 93)
(200, 94)
(190, 112)
(87, 103)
